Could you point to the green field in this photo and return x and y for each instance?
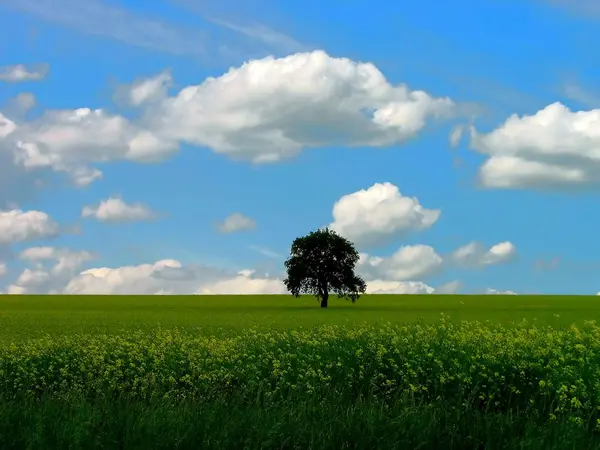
(23, 317)
(277, 372)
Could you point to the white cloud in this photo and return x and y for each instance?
(407, 263)
(243, 283)
(65, 260)
(474, 254)
(553, 148)
(170, 276)
(146, 90)
(21, 226)
(378, 214)
(398, 287)
(490, 291)
(69, 140)
(7, 126)
(265, 111)
(32, 281)
(270, 109)
(16, 185)
(114, 209)
(236, 222)
(20, 72)
(409, 287)
(14, 289)
(46, 278)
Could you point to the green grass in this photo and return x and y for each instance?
(23, 317)
(275, 372)
(304, 425)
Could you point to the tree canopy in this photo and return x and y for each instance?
(323, 262)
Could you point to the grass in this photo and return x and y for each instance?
(277, 372)
(24, 317)
(305, 425)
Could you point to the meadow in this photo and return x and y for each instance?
(26, 317)
(439, 372)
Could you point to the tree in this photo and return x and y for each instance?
(323, 262)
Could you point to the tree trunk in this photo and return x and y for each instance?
(324, 299)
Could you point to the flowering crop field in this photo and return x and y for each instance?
(278, 372)
(24, 317)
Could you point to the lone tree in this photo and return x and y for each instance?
(323, 262)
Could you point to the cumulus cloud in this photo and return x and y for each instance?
(22, 226)
(65, 260)
(407, 263)
(398, 287)
(553, 148)
(376, 215)
(265, 111)
(236, 222)
(409, 287)
(474, 254)
(243, 283)
(56, 270)
(115, 210)
(170, 277)
(52, 269)
(70, 140)
(20, 72)
(270, 109)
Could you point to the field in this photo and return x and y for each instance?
(31, 316)
(451, 372)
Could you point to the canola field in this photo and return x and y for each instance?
(279, 372)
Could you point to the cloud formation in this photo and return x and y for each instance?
(270, 109)
(553, 148)
(265, 111)
(474, 254)
(170, 277)
(20, 73)
(378, 214)
(115, 210)
(52, 269)
(23, 226)
(407, 263)
(236, 222)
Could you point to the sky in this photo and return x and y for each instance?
(180, 146)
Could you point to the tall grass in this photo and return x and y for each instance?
(466, 385)
(309, 423)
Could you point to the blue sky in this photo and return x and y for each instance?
(280, 159)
